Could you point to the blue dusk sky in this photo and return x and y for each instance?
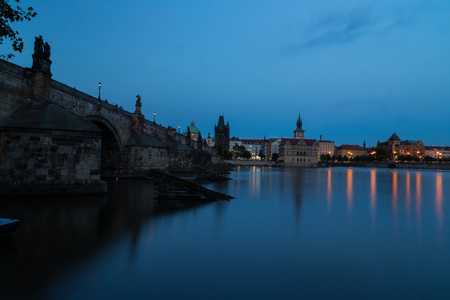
(355, 70)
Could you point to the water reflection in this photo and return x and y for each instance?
(394, 192)
(51, 231)
(349, 189)
(373, 193)
(329, 192)
(439, 204)
(122, 246)
(408, 192)
(298, 191)
(419, 198)
(256, 180)
(59, 230)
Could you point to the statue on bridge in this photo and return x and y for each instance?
(40, 75)
(38, 46)
(41, 50)
(46, 51)
(41, 56)
(138, 105)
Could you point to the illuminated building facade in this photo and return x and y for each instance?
(394, 147)
(326, 147)
(437, 152)
(351, 151)
(299, 152)
(254, 146)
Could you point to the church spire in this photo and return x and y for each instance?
(299, 122)
(299, 133)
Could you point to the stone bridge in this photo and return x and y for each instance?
(55, 138)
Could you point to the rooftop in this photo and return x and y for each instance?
(394, 137)
(308, 142)
(351, 147)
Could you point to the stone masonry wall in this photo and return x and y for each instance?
(145, 158)
(188, 159)
(63, 161)
(13, 87)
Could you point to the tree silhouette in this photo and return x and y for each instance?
(9, 15)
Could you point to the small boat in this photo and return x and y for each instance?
(7, 226)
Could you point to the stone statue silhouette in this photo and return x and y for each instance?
(46, 51)
(138, 104)
(38, 46)
(138, 101)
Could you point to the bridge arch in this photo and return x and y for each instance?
(112, 146)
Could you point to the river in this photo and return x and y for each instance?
(326, 233)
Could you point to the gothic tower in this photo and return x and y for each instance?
(299, 133)
(222, 135)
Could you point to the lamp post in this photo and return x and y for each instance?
(154, 116)
(178, 129)
(99, 87)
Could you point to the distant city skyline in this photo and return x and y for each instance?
(355, 71)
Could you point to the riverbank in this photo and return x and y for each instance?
(250, 163)
(390, 165)
(387, 165)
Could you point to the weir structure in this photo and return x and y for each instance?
(56, 139)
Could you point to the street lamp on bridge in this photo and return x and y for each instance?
(99, 87)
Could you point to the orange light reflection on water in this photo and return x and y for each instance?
(394, 192)
(439, 196)
(408, 192)
(418, 197)
(373, 192)
(329, 190)
(349, 189)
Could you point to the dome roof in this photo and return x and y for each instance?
(193, 128)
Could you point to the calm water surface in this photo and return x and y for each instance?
(333, 233)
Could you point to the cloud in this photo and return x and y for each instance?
(336, 29)
(344, 27)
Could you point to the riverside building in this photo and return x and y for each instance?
(326, 147)
(394, 147)
(299, 152)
